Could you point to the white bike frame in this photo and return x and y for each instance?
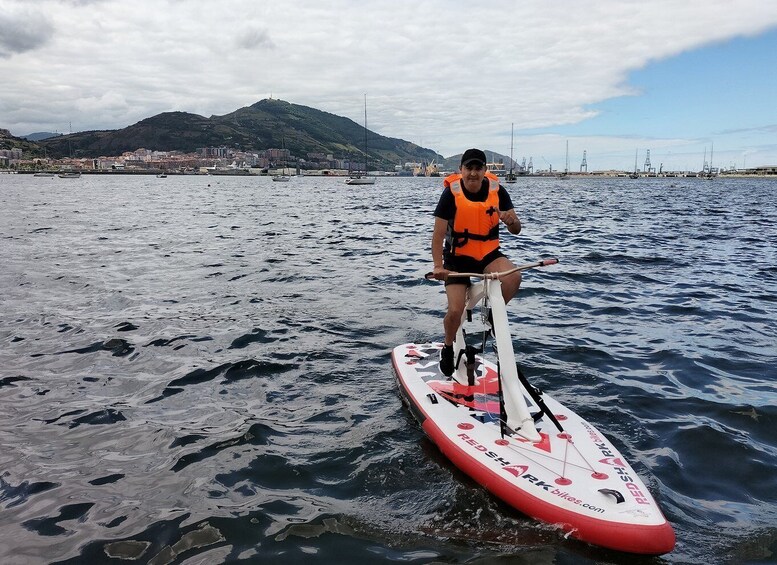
(518, 417)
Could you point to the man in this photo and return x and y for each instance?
(466, 239)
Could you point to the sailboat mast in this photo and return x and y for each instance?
(365, 133)
(511, 147)
(712, 149)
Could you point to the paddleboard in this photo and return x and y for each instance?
(574, 477)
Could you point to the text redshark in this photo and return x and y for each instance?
(521, 471)
(633, 488)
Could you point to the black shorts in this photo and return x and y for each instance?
(464, 264)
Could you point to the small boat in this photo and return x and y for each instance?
(161, 176)
(70, 175)
(565, 174)
(707, 170)
(359, 178)
(511, 176)
(635, 174)
(283, 176)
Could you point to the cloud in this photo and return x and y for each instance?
(766, 129)
(434, 73)
(23, 31)
(252, 38)
(105, 105)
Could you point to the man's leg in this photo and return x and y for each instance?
(511, 283)
(457, 295)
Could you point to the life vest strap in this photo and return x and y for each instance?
(460, 239)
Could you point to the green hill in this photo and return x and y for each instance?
(8, 141)
(267, 124)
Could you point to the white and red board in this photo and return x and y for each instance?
(575, 479)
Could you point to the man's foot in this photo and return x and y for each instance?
(446, 360)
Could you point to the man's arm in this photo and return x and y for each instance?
(438, 241)
(507, 213)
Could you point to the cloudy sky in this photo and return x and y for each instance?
(678, 77)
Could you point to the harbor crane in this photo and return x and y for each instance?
(647, 167)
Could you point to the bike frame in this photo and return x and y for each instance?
(489, 287)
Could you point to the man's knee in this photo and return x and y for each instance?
(511, 284)
(455, 312)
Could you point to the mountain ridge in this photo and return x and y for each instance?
(266, 124)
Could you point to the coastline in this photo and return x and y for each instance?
(338, 174)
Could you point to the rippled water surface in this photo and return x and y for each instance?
(197, 369)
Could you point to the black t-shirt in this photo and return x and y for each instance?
(446, 207)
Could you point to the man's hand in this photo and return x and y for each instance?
(440, 273)
(510, 219)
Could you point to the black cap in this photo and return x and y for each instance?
(473, 156)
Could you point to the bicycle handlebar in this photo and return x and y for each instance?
(498, 274)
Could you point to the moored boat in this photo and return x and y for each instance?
(511, 177)
(360, 179)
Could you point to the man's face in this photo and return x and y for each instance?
(472, 175)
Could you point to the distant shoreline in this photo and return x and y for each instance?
(317, 173)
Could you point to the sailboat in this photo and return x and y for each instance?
(565, 174)
(510, 177)
(635, 174)
(357, 178)
(707, 169)
(283, 177)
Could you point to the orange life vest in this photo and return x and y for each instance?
(474, 231)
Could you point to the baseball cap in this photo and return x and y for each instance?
(473, 156)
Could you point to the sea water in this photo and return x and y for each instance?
(197, 369)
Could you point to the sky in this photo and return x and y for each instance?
(684, 79)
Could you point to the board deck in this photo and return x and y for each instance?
(574, 478)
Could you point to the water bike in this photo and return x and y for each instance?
(520, 444)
